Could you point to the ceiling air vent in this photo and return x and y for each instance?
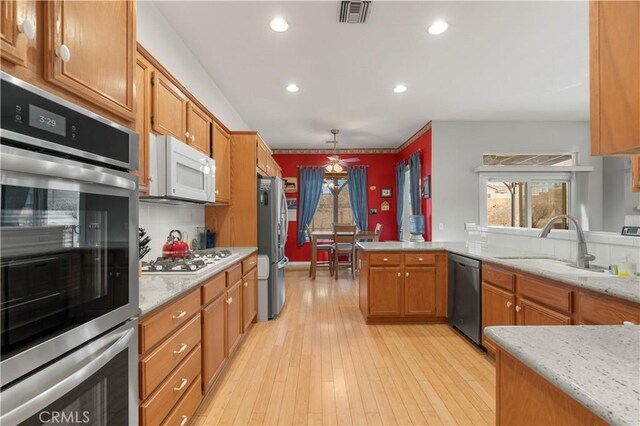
(354, 12)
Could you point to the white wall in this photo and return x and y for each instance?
(160, 219)
(159, 38)
(458, 147)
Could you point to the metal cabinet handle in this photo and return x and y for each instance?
(183, 347)
(420, 259)
(399, 274)
(406, 274)
(193, 138)
(518, 309)
(187, 134)
(246, 284)
(27, 28)
(628, 323)
(385, 260)
(183, 383)
(509, 304)
(229, 300)
(184, 420)
(180, 314)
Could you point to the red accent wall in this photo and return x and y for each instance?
(423, 143)
(381, 173)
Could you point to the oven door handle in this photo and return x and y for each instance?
(37, 392)
(23, 161)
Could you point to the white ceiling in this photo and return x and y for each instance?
(497, 61)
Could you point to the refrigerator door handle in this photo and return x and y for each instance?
(284, 262)
(285, 216)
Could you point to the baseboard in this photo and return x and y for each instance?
(298, 266)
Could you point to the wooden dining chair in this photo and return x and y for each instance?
(377, 231)
(319, 247)
(344, 243)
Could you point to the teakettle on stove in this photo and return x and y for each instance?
(175, 247)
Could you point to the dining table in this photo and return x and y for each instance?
(326, 236)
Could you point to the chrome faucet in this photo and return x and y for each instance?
(583, 258)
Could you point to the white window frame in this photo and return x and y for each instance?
(527, 177)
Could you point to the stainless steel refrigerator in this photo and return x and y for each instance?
(272, 236)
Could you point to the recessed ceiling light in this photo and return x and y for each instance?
(292, 88)
(438, 27)
(279, 25)
(400, 88)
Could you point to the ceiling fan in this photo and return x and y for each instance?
(337, 164)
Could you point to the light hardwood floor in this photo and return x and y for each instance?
(319, 363)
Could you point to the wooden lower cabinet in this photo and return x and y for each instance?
(385, 291)
(403, 287)
(600, 309)
(249, 297)
(531, 313)
(526, 398)
(420, 290)
(214, 348)
(233, 316)
(498, 308)
(185, 409)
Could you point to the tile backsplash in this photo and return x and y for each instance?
(608, 248)
(160, 219)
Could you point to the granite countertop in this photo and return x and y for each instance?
(627, 288)
(156, 290)
(598, 366)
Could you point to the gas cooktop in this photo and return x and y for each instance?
(195, 263)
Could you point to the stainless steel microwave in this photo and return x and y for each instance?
(179, 172)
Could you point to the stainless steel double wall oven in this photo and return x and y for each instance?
(69, 262)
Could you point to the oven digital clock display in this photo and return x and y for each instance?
(46, 120)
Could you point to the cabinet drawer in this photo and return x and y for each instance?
(249, 263)
(234, 274)
(550, 294)
(213, 288)
(384, 259)
(600, 309)
(155, 327)
(419, 259)
(183, 413)
(498, 277)
(156, 408)
(159, 363)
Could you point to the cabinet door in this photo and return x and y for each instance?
(169, 115)
(420, 291)
(214, 350)
(635, 173)
(143, 120)
(530, 313)
(222, 157)
(198, 129)
(263, 155)
(249, 297)
(90, 51)
(14, 42)
(599, 309)
(615, 77)
(385, 291)
(498, 308)
(233, 316)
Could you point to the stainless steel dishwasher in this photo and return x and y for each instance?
(464, 296)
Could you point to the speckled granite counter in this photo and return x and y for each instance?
(598, 366)
(156, 290)
(624, 288)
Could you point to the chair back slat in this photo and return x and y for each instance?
(344, 233)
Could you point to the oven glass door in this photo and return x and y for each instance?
(66, 249)
(95, 385)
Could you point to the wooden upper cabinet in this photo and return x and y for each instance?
(143, 124)
(614, 30)
(169, 115)
(90, 51)
(635, 173)
(198, 128)
(222, 157)
(263, 155)
(16, 20)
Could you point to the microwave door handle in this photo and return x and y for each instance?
(41, 399)
(22, 161)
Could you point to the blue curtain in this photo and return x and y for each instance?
(399, 197)
(358, 188)
(309, 195)
(414, 184)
